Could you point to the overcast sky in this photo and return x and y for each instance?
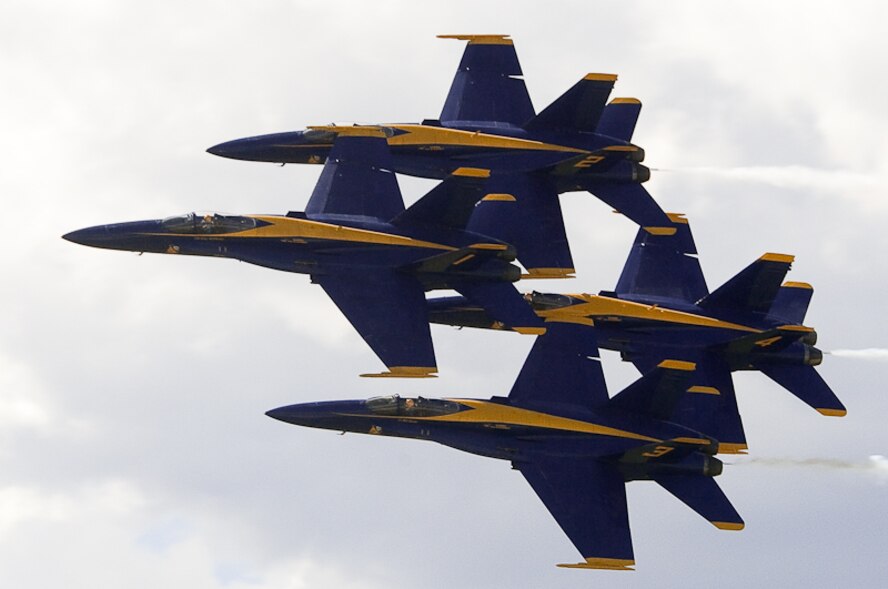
(133, 447)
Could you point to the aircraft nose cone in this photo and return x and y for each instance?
(231, 149)
(296, 414)
(288, 147)
(93, 236)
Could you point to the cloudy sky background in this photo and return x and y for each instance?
(133, 447)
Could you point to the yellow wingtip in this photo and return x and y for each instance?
(735, 526)
(405, 372)
(610, 564)
(772, 257)
(833, 412)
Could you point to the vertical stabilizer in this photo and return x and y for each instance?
(619, 118)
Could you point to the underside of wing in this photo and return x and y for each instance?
(588, 500)
(389, 311)
(664, 266)
(524, 210)
(563, 368)
(488, 86)
(358, 177)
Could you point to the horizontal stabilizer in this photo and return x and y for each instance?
(488, 86)
(389, 311)
(619, 118)
(358, 178)
(664, 265)
(588, 500)
(635, 203)
(791, 303)
(563, 368)
(503, 303)
(449, 204)
(524, 210)
(656, 393)
(578, 109)
(703, 495)
(753, 289)
(805, 383)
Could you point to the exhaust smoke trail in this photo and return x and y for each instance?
(789, 176)
(876, 464)
(878, 354)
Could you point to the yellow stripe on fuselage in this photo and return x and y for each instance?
(487, 412)
(292, 228)
(596, 306)
(424, 135)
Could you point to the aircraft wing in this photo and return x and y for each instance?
(524, 210)
(358, 177)
(488, 86)
(389, 311)
(563, 367)
(664, 265)
(588, 500)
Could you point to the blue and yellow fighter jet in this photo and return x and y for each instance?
(576, 143)
(372, 257)
(575, 446)
(661, 308)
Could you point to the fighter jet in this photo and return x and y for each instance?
(372, 257)
(488, 121)
(575, 446)
(661, 308)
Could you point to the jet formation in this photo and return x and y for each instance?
(494, 219)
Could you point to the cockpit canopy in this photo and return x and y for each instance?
(394, 405)
(207, 223)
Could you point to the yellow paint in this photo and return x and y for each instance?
(658, 451)
(677, 218)
(767, 342)
(472, 172)
(487, 412)
(611, 564)
(589, 161)
(405, 372)
(697, 441)
(628, 148)
(833, 412)
(660, 230)
(571, 319)
(601, 77)
(732, 448)
(729, 525)
(481, 39)
(625, 101)
(595, 306)
(423, 134)
(549, 273)
(496, 247)
(800, 328)
(704, 390)
(804, 285)
(677, 365)
(499, 197)
(785, 258)
(530, 330)
(464, 259)
(288, 227)
(351, 130)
